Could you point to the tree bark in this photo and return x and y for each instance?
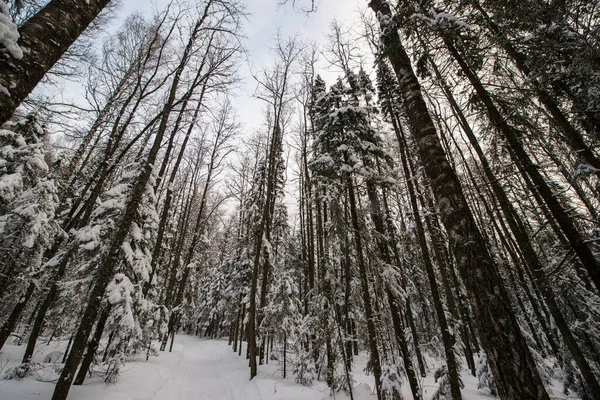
(511, 361)
(364, 280)
(92, 348)
(447, 338)
(44, 39)
(43, 309)
(13, 318)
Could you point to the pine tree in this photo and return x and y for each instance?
(342, 133)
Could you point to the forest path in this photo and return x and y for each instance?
(205, 370)
(196, 369)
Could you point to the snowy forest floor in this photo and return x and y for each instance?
(198, 369)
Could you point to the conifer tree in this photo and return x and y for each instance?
(28, 200)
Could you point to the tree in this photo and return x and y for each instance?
(274, 90)
(28, 199)
(215, 17)
(130, 81)
(46, 36)
(498, 328)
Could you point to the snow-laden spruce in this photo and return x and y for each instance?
(28, 198)
(134, 319)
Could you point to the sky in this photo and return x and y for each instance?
(266, 18)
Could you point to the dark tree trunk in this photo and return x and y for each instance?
(404, 352)
(380, 227)
(511, 362)
(68, 349)
(46, 303)
(29, 321)
(264, 227)
(284, 354)
(45, 37)
(364, 280)
(13, 318)
(92, 348)
(236, 328)
(241, 330)
(447, 338)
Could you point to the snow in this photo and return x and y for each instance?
(201, 369)
(436, 18)
(584, 169)
(118, 293)
(196, 369)
(4, 90)
(9, 33)
(89, 237)
(10, 186)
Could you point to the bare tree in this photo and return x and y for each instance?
(275, 90)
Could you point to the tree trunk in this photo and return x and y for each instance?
(364, 280)
(13, 318)
(511, 362)
(241, 330)
(45, 306)
(92, 348)
(264, 225)
(447, 338)
(44, 37)
(378, 221)
(68, 348)
(284, 354)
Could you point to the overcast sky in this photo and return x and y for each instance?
(265, 19)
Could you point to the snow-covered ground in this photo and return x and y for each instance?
(196, 369)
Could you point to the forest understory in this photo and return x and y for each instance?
(415, 212)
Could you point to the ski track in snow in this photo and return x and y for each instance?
(200, 374)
